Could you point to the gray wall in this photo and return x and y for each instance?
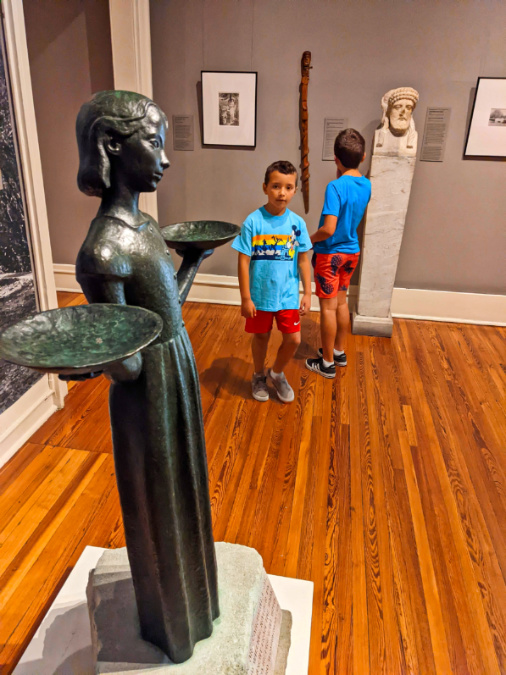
(360, 49)
(69, 46)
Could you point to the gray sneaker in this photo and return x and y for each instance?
(259, 387)
(283, 389)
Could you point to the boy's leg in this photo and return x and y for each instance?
(342, 311)
(286, 351)
(327, 285)
(260, 327)
(328, 326)
(288, 322)
(259, 344)
(342, 321)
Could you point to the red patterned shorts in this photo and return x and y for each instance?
(332, 272)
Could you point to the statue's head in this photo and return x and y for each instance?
(121, 130)
(398, 105)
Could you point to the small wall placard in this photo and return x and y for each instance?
(437, 121)
(331, 128)
(182, 132)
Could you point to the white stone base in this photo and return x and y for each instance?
(245, 637)
(62, 642)
(372, 325)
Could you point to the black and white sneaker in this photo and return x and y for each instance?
(317, 366)
(338, 360)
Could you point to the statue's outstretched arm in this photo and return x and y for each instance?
(192, 259)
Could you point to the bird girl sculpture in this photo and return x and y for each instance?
(155, 408)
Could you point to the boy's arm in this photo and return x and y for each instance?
(248, 309)
(305, 273)
(326, 230)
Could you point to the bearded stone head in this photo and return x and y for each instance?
(398, 105)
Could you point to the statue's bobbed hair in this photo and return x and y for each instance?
(116, 114)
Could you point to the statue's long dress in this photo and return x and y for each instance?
(158, 439)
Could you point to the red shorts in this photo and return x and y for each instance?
(287, 321)
(332, 272)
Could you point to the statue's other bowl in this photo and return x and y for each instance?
(199, 234)
(81, 339)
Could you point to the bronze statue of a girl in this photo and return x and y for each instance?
(155, 408)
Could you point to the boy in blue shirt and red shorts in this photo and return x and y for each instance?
(336, 249)
(272, 250)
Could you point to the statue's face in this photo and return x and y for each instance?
(142, 156)
(400, 115)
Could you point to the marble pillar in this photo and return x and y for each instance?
(391, 175)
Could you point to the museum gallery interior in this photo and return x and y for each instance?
(185, 486)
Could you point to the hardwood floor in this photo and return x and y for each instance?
(385, 487)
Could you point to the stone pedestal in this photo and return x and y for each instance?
(391, 178)
(251, 636)
(372, 325)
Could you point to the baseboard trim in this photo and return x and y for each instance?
(65, 278)
(407, 303)
(25, 416)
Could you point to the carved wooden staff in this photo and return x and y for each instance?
(303, 125)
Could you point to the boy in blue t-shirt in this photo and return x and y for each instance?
(336, 249)
(272, 249)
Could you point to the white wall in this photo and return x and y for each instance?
(69, 45)
(360, 49)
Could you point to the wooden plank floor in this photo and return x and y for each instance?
(386, 487)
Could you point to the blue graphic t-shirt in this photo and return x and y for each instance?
(273, 243)
(347, 198)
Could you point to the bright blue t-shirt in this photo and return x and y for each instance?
(273, 243)
(347, 198)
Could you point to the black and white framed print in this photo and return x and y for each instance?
(486, 136)
(229, 107)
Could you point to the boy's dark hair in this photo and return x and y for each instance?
(283, 167)
(349, 148)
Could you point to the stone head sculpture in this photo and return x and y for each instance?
(398, 106)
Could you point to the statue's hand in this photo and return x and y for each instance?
(126, 370)
(193, 255)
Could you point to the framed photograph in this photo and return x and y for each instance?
(229, 108)
(486, 136)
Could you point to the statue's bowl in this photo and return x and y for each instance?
(199, 234)
(81, 339)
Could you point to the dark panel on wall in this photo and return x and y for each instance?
(17, 286)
